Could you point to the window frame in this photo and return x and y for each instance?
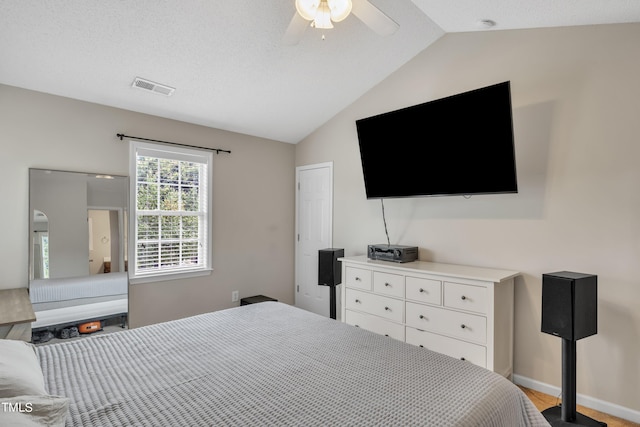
(173, 153)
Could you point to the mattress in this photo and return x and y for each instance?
(49, 290)
(272, 364)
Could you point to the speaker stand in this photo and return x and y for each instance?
(332, 300)
(565, 414)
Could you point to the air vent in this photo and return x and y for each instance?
(153, 87)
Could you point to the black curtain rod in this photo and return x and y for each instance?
(217, 150)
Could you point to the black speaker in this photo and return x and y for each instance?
(329, 269)
(330, 274)
(569, 305)
(569, 311)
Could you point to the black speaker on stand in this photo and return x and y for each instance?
(330, 274)
(569, 311)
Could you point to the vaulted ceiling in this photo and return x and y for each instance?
(227, 60)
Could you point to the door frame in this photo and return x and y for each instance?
(296, 237)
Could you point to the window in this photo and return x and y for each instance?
(171, 215)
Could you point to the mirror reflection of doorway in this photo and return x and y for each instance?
(40, 245)
(105, 227)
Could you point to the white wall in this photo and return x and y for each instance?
(253, 196)
(576, 99)
(63, 199)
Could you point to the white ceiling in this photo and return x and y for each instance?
(227, 61)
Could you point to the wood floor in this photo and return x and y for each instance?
(544, 401)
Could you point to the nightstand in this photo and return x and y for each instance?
(255, 299)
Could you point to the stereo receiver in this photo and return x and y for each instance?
(394, 253)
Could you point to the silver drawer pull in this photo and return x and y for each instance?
(463, 326)
(422, 316)
(422, 290)
(387, 284)
(358, 279)
(387, 309)
(463, 298)
(357, 301)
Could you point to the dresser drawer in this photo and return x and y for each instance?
(389, 308)
(424, 290)
(469, 327)
(462, 350)
(358, 278)
(375, 324)
(466, 297)
(388, 284)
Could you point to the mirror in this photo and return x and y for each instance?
(78, 247)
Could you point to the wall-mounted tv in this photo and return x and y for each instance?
(458, 145)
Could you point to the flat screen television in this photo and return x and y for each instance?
(458, 145)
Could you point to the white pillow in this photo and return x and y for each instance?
(34, 411)
(20, 372)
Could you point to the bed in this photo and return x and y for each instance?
(271, 364)
(77, 299)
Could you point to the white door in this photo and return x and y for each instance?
(314, 215)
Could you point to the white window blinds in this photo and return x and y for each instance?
(171, 204)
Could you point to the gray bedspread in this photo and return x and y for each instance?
(270, 364)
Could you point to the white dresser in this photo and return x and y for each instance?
(462, 311)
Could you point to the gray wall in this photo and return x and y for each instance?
(253, 214)
(576, 99)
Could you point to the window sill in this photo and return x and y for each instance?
(163, 277)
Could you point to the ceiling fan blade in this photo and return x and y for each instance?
(374, 18)
(295, 30)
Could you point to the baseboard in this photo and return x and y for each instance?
(581, 399)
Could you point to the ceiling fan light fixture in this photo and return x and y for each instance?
(323, 16)
(323, 13)
(340, 9)
(307, 8)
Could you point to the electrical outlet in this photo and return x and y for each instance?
(234, 296)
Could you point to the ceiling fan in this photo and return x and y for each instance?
(321, 14)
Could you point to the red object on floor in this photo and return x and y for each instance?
(90, 327)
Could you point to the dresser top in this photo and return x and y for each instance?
(439, 269)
